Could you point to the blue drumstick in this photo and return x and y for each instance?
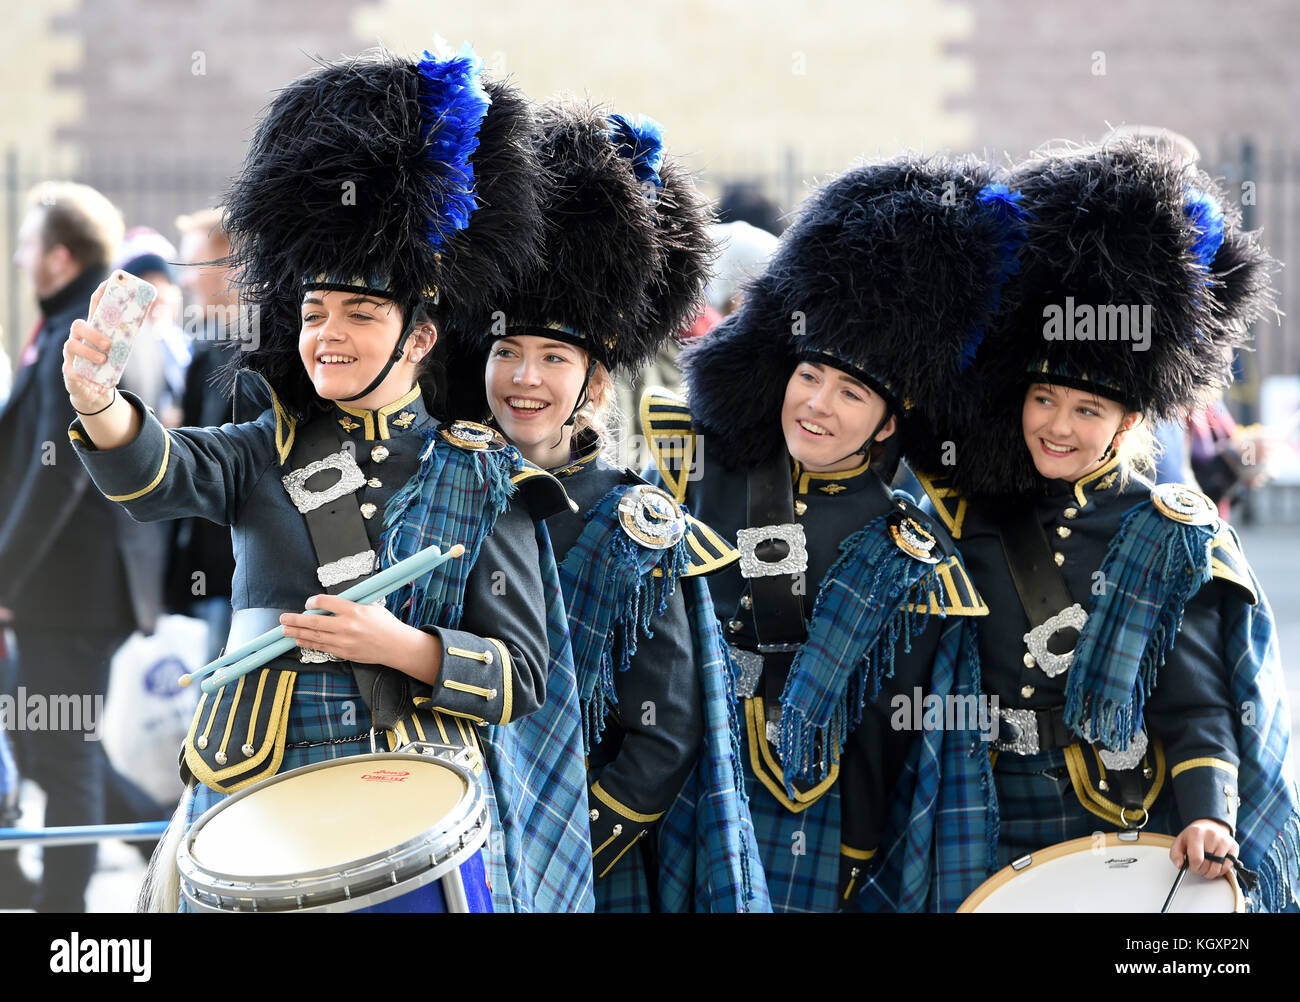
(273, 643)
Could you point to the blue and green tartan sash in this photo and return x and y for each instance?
(708, 852)
(454, 497)
(940, 840)
(539, 852)
(539, 777)
(860, 618)
(1152, 568)
(612, 596)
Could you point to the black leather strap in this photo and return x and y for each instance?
(778, 607)
(1039, 582)
(337, 529)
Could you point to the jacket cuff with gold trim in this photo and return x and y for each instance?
(129, 471)
(615, 828)
(476, 678)
(1206, 788)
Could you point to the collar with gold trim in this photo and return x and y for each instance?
(402, 414)
(1099, 485)
(586, 447)
(831, 484)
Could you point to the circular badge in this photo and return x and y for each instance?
(914, 539)
(1184, 504)
(472, 435)
(651, 517)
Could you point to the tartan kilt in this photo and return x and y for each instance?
(800, 852)
(624, 888)
(1037, 806)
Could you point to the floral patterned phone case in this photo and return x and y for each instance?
(120, 314)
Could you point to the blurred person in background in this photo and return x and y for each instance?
(202, 561)
(53, 526)
(149, 255)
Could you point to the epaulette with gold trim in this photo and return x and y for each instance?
(542, 492)
(955, 595)
(705, 549)
(948, 503)
(1228, 564)
(666, 427)
(254, 396)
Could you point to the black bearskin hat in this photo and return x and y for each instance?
(626, 255)
(412, 179)
(890, 273)
(1136, 284)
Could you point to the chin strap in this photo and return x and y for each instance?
(407, 328)
(871, 440)
(582, 402)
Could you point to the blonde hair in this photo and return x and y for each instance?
(598, 416)
(80, 218)
(1139, 450)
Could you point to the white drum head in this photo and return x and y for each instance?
(1103, 874)
(322, 819)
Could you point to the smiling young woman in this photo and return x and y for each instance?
(1125, 628)
(791, 436)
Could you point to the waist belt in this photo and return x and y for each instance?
(1028, 732)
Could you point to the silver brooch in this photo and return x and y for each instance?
(305, 499)
(651, 517)
(346, 568)
(1036, 639)
(794, 562)
(749, 667)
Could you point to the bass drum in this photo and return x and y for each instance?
(1111, 872)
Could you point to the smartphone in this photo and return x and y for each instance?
(120, 314)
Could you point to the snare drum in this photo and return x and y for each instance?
(367, 833)
(1117, 872)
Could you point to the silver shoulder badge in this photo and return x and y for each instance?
(474, 436)
(651, 517)
(914, 539)
(1184, 504)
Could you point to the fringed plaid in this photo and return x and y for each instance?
(942, 828)
(857, 623)
(708, 851)
(539, 780)
(1152, 568)
(612, 596)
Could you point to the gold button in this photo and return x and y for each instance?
(1026, 691)
(221, 758)
(1103, 786)
(594, 814)
(1063, 531)
(1147, 772)
(368, 510)
(735, 625)
(492, 694)
(374, 482)
(1059, 558)
(746, 602)
(618, 829)
(1071, 512)
(379, 454)
(1029, 660)
(800, 507)
(1228, 790)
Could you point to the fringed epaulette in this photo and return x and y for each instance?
(1188, 506)
(948, 503)
(253, 396)
(542, 493)
(666, 427)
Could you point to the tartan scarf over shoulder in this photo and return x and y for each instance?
(612, 597)
(539, 854)
(1152, 568)
(858, 621)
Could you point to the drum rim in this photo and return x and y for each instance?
(463, 830)
(1055, 851)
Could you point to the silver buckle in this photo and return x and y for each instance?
(346, 568)
(794, 562)
(349, 480)
(1120, 761)
(1025, 725)
(1036, 640)
(749, 667)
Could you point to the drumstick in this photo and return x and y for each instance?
(273, 643)
(1178, 881)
